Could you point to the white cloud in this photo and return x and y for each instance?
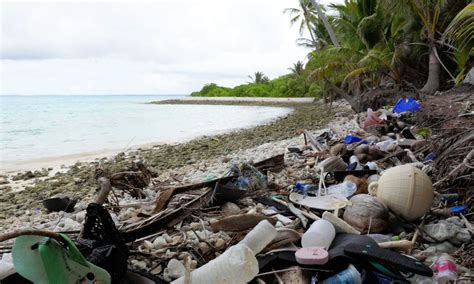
(153, 47)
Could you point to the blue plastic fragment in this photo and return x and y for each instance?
(430, 157)
(458, 209)
(406, 105)
(349, 139)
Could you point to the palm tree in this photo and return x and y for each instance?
(304, 15)
(259, 78)
(297, 69)
(460, 32)
(329, 29)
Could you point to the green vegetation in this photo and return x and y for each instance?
(367, 45)
(284, 86)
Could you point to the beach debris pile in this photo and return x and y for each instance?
(376, 197)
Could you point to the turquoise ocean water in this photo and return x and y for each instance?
(34, 127)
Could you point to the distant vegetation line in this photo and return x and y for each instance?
(370, 45)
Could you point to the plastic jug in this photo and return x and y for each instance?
(320, 234)
(236, 265)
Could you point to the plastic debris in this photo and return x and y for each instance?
(409, 105)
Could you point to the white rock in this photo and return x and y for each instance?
(140, 264)
(148, 244)
(204, 235)
(159, 242)
(81, 216)
(175, 269)
(167, 238)
(69, 225)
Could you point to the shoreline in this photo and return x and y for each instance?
(190, 159)
(63, 161)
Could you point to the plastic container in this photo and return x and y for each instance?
(320, 234)
(236, 265)
(346, 189)
(349, 276)
(260, 236)
(446, 268)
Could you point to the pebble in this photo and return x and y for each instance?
(204, 235)
(204, 247)
(3, 180)
(157, 270)
(159, 242)
(175, 269)
(69, 225)
(229, 209)
(139, 264)
(81, 216)
(451, 229)
(149, 245)
(219, 243)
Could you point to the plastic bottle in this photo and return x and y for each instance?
(385, 145)
(236, 265)
(260, 236)
(373, 166)
(446, 268)
(373, 178)
(346, 189)
(320, 234)
(348, 276)
(381, 238)
(349, 139)
(418, 279)
(305, 188)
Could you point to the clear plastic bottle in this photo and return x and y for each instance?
(349, 276)
(346, 189)
(236, 265)
(446, 268)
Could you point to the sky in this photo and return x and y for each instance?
(142, 47)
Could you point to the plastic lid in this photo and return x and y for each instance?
(312, 255)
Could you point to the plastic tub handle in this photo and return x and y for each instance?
(373, 186)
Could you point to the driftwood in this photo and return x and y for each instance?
(315, 144)
(156, 222)
(17, 233)
(241, 222)
(167, 193)
(273, 164)
(132, 181)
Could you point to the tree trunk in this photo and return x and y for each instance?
(432, 84)
(307, 20)
(328, 27)
(350, 99)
